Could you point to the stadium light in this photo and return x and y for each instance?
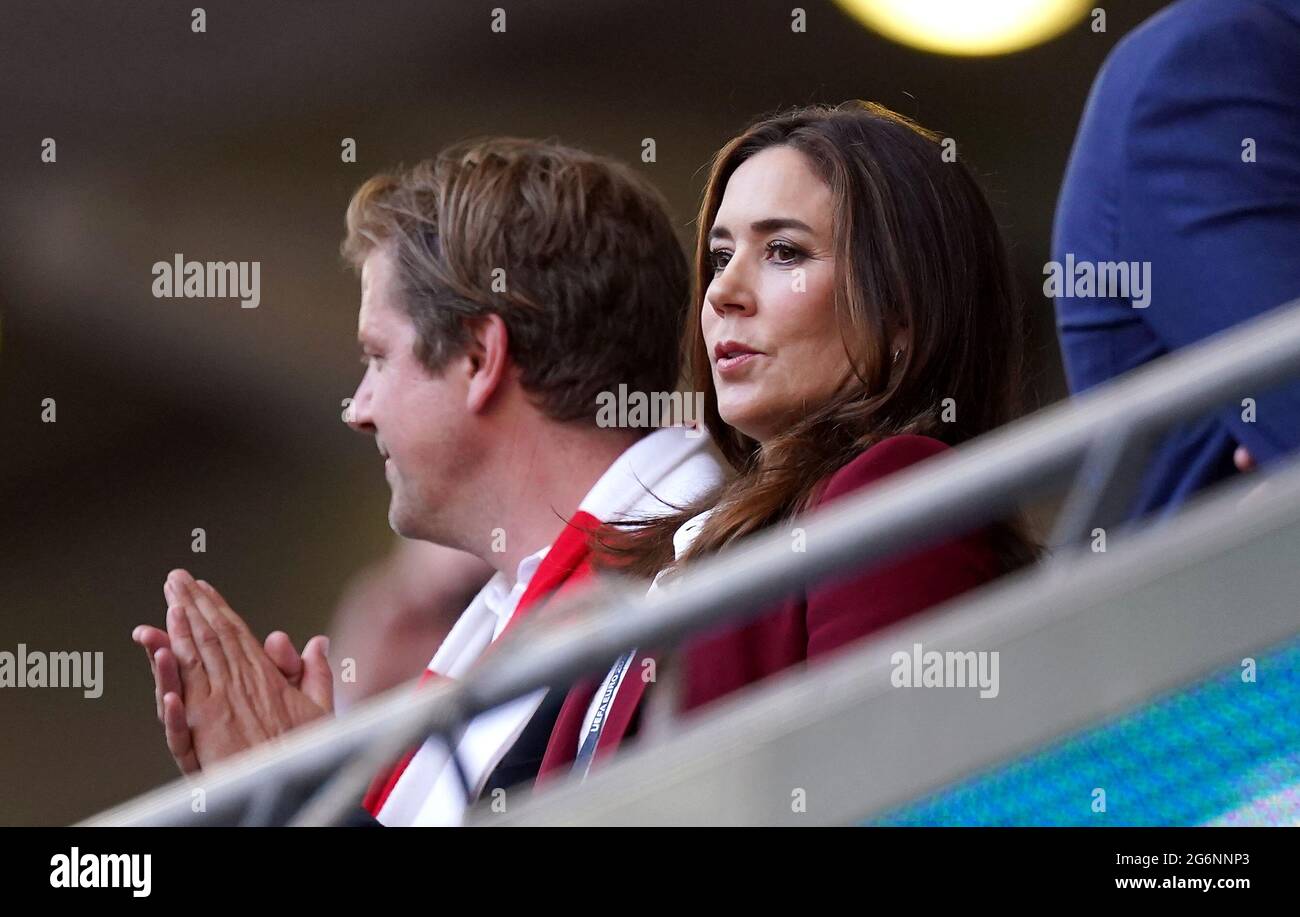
(968, 27)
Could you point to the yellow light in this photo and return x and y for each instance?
(968, 26)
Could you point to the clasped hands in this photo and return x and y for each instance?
(218, 691)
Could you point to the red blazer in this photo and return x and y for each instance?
(808, 626)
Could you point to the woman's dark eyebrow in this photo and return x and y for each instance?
(772, 224)
(775, 223)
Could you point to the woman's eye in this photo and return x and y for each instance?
(718, 259)
(784, 252)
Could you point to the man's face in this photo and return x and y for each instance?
(419, 420)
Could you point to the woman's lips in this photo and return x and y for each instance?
(730, 357)
(730, 365)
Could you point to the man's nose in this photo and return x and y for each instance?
(357, 416)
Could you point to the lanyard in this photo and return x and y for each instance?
(587, 750)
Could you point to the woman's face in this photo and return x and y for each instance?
(768, 317)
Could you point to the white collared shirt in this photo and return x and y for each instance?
(484, 619)
(668, 467)
(431, 772)
(503, 602)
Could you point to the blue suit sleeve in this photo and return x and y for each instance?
(1222, 232)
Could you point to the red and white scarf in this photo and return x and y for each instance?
(669, 467)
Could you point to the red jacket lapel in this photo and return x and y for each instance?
(562, 748)
(623, 707)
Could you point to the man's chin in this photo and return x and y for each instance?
(397, 524)
(398, 521)
(406, 524)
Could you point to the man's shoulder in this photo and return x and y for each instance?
(1181, 39)
(1161, 89)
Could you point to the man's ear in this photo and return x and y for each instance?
(488, 357)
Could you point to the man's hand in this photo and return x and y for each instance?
(1245, 463)
(1243, 459)
(167, 680)
(237, 693)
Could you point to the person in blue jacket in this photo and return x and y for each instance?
(1186, 167)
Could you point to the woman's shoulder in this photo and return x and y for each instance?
(879, 461)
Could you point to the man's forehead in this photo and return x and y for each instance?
(365, 320)
(379, 318)
(370, 316)
(377, 321)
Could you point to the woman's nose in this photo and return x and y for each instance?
(730, 290)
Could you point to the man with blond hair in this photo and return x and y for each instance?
(505, 285)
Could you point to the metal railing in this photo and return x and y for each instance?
(1078, 641)
(952, 493)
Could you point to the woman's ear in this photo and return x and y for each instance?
(901, 341)
(487, 360)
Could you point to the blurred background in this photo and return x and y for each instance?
(176, 414)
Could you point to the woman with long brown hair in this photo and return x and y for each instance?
(854, 313)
